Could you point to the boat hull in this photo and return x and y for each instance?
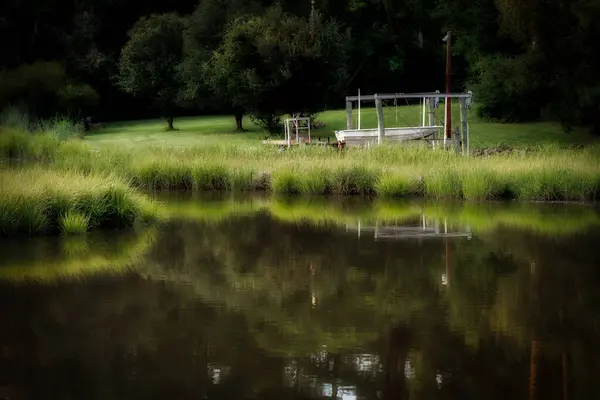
(370, 136)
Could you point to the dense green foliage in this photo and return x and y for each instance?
(149, 63)
(529, 59)
(277, 64)
(44, 88)
(524, 60)
(205, 29)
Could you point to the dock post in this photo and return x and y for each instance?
(288, 134)
(457, 140)
(380, 120)
(464, 126)
(432, 118)
(349, 121)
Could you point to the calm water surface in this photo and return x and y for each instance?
(257, 298)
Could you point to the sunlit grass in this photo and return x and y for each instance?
(548, 174)
(74, 223)
(36, 200)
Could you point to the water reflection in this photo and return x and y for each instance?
(275, 302)
(50, 258)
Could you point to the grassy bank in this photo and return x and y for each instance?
(210, 130)
(548, 174)
(37, 200)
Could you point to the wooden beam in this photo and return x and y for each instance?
(464, 126)
(349, 121)
(392, 96)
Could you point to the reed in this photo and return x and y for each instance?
(546, 174)
(37, 200)
(73, 223)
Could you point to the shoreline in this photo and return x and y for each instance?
(388, 173)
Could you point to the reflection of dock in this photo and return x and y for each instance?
(426, 230)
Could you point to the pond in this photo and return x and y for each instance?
(265, 298)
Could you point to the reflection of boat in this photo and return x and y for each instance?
(423, 231)
(361, 137)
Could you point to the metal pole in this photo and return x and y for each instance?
(448, 120)
(358, 108)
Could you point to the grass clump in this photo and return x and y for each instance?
(482, 184)
(442, 183)
(286, 181)
(44, 201)
(74, 223)
(355, 180)
(403, 184)
(16, 144)
(210, 177)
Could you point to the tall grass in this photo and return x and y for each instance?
(73, 223)
(15, 117)
(547, 174)
(37, 200)
(62, 128)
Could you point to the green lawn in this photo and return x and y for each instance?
(212, 129)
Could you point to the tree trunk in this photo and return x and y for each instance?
(239, 117)
(170, 123)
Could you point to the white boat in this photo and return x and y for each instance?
(361, 137)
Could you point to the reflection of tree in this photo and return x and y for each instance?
(548, 305)
(318, 291)
(360, 290)
(254, 308)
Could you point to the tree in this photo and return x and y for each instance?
(77, 99)
(205, 29)
(150, 62)
(528, 59)
(33, 86)
(277, 63)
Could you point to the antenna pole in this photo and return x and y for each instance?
(448, 127)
